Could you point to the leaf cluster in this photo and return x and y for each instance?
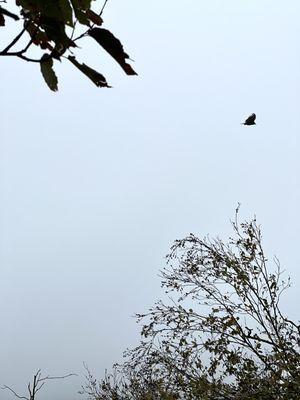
(54, 28)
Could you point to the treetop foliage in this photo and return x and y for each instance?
(55, 27)
(221, 336)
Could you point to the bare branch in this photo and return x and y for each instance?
(36, 385)
(16, 394)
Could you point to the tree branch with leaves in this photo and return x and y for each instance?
(220, 333)
(51, 27)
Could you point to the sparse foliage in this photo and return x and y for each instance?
(50, 30)
(222, 335)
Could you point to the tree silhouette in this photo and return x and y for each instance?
(222, 335)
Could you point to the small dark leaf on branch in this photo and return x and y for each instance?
(83, 5)
(95, 18)
(48, 72)
(97, 78)
(80, 8)
(2, 20)
(55, 31)
(3, 11)
(59, 10)
(113, 46)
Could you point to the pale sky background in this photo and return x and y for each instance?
(95, 184)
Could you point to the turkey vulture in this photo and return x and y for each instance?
(250, 120)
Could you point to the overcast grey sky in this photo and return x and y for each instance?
(95, 184)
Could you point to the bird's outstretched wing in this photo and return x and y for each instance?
(250, 120)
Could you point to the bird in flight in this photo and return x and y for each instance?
(250, 120)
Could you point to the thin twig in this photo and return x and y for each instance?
(73, 30)
(13, 42)
(103, 7)
(9, 14)
(16, 394)
(31, 39)
(56, 377)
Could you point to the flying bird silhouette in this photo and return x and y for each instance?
(250, 120)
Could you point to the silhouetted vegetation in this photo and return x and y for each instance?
(37, 383)
(222, 335)
(50, 30)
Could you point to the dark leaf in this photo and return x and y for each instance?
(66, 12)
(59, 10)
(48, 72)
(2, 20)
(97, 78)
(55, 31)
(95, 18)
(83, 5)
(80, 7)
(113, 46)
